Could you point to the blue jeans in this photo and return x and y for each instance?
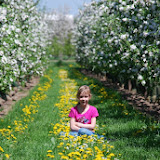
(82, 131)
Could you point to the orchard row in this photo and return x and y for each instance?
(23, 37)
(121, 39)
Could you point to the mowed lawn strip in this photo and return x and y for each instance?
(34, 142)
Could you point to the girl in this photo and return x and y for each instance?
(83, 116)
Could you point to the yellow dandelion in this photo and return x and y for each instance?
(64, 157)
(7, 156)
(85, 156)
(60, 153)
(1, 149)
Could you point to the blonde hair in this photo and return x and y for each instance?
(85, 89)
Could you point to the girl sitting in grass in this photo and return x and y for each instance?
(83, 116)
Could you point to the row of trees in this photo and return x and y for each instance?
(61, 26)
(28, 36)
(23, 38)
(121, 39)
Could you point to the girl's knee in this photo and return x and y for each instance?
(83, 131)
(73, 133)
(62, 133)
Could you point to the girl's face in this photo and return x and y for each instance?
(84, 98)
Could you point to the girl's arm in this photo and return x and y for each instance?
(73, 125)
(88, 126)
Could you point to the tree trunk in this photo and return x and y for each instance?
(129, 85)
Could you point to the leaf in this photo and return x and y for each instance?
(53, 141)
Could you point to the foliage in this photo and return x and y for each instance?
(69, 48)
(60, 28)
(61, 50)
(55, 48)
(121, 38)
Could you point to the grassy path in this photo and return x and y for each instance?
(31, 130)
(36, 140)
(33, 141)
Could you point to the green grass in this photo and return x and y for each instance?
(34, 142)
(120, 128)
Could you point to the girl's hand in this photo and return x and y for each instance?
(73, 125)
(78, 124)
(88, 126)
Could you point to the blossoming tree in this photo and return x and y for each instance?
(121, 39)
(23, 40)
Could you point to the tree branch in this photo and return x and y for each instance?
(36, 3)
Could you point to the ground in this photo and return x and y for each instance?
(15, 95)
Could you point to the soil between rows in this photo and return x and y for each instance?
(7, 102)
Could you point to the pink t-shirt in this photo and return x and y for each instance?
(86, 117)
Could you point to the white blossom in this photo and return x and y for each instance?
(125, 19)
(123, 36)
(4, 59)
(143, 82)
(140, 77)
(133, 47)
(3, 13)
(1, 53)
